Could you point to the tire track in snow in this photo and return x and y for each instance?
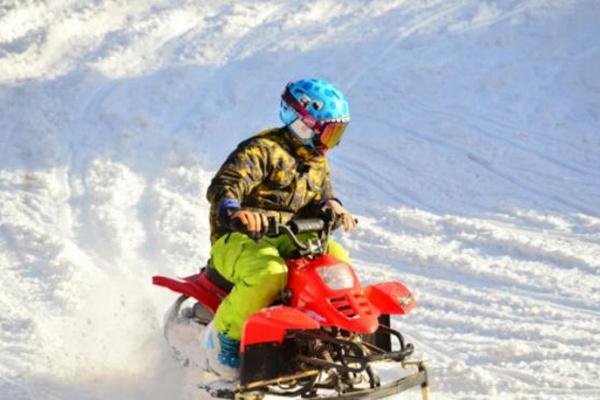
(90, 111)
(233, 54)
(397, 38)
(526, 244)
(531, 189)
(475, 121)
(448, 359)
(421, 22)
(480, 294)
(484, 164)
(451, 266)
(382, 183)
(444, 292)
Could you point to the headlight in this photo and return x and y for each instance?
(337, 277)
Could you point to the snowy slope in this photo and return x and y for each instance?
(472, 163)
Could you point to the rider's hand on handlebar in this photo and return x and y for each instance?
(348, 221)
(255, 224)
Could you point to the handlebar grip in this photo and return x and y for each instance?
(307, 225)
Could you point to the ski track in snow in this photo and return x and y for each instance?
(503, 313)
(471, 163)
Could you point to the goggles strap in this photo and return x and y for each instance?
(305, 116)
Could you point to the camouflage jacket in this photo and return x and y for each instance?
(271, 172)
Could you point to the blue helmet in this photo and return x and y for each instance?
(320, 99)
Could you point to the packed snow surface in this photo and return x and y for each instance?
(472, 162)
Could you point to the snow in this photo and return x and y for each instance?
(471, 161)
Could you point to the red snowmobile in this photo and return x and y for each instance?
(323, 337)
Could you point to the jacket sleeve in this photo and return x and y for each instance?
(243, 170)
(326, 191)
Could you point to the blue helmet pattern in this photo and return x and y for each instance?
(322, 100)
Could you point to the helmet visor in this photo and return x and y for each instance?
(332, 133)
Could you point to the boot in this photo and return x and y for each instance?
(222, 354)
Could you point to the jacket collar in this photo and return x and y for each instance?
(302, 151)
(286, 138)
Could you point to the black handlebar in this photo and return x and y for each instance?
(323, 225)
(306, 225)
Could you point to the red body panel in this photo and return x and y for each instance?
(391, 297)
(313, 303)
(197, 286)
(270, 324)
(345, 308)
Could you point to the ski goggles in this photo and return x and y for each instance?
(327, 133)
(331, 134)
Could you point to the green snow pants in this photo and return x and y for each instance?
(259, 273)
